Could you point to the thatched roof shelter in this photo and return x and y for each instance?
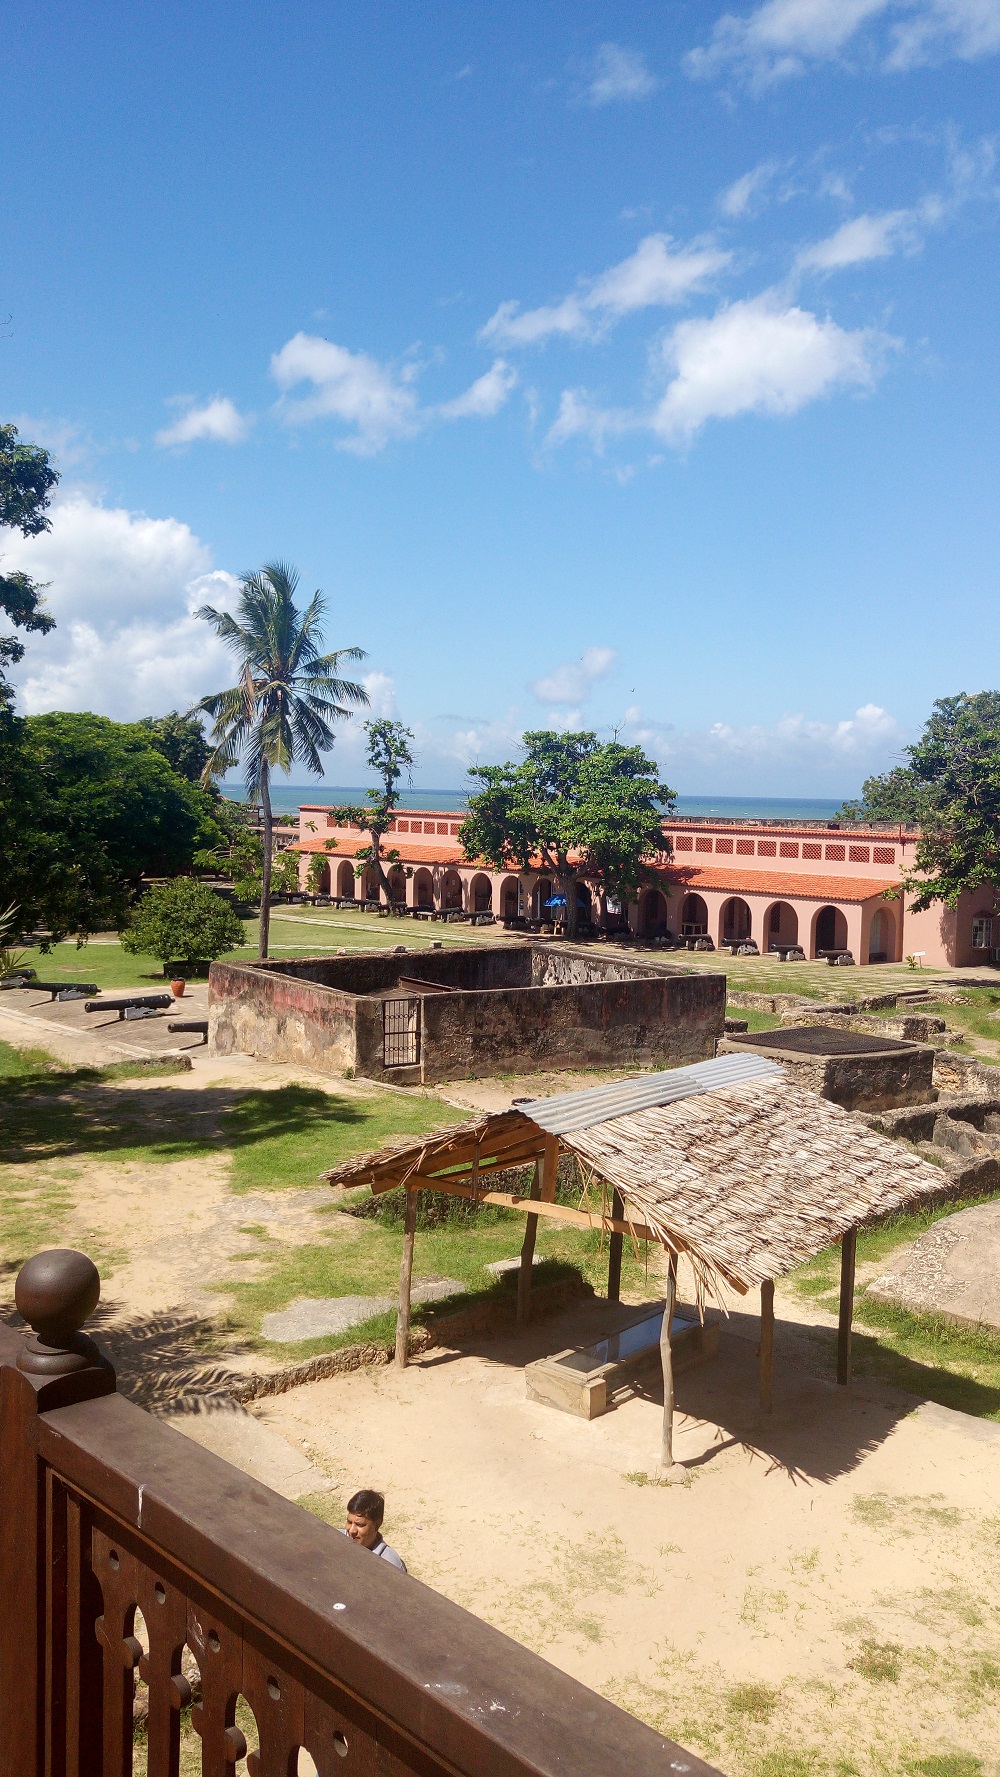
(746, 1178)
(729, 1163)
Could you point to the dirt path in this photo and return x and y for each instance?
(821, 1594)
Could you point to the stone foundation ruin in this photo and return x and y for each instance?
(860, 1072)
(418, 1016)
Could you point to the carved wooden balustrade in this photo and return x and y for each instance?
(126, 1550)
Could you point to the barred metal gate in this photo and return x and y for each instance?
(401, 1033)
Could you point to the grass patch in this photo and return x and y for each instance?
(21, 1064)
(755, 1701)
(945, 1764)
(920, 1353)
(880, 1662)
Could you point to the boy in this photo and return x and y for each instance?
(365, 1511)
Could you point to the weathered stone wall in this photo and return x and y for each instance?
(660, 1021)
(858, 1082)
(552, 966)
(291, 1011)
(279, 1016)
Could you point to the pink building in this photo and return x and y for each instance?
(818, 885)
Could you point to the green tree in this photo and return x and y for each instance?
(569, 795)
(182, 922)
(287, 698)
(181, 740)
(620, 815)
(390, 754)
(87, 809)
(26, 482)
(952, 786)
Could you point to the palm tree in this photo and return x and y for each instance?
(288, 696)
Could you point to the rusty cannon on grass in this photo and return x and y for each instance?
(127, 1551)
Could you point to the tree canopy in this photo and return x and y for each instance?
(26, 482)
(389, 755)
(287, 698)
(182, 922)
(951, 789)
(87, 808)
(571, 794)
(181, 740)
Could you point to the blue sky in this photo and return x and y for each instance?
(627, 366)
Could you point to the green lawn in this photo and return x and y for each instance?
(921, 1354)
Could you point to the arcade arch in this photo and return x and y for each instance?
(423, 888)
(781, 925)
(829, 931)
(734, 921)
(480, 895)
(654, 913)
(694, 917)
(451, 891)
(882, 936)
(346, 881)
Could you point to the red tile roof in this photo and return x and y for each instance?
(794, 885)
(438, 851)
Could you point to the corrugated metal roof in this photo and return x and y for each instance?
(599, 1104)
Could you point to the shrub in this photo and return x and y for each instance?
(182, 921)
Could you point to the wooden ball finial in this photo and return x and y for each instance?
(55, 1293)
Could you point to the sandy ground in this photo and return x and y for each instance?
(840, 1560)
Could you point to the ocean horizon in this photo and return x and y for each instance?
(288, 798)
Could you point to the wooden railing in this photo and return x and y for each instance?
(126, 1549)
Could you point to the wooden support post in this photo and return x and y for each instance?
(527, 1258)
(848, 1254)
(615, 1251)
(669, 1469)
(766, 1343)
(405, 1282)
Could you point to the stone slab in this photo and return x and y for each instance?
(581, 1381)
(952, 1270)
(315, 1317)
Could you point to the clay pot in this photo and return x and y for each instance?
(177, 989)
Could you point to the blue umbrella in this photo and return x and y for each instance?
(556, 901)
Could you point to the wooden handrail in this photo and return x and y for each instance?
(331, 1648)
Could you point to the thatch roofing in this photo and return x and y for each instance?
(747, 1178)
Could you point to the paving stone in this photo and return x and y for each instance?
(315, 1317)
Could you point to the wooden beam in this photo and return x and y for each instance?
(405, 1281)
(766, 1343)
(615, 1245)
(848, 1256)
(550, 1169)
(527, 1257)
(669, 1469)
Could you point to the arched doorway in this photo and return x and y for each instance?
(319, 876)
(510, 898)
(653, 922)
(735, 923)
(480, 895)
(451, 892)
(882, 937)
(397, 885)
(541, 893)
(584, 905)
(370, 885)
(423, 889)
(345, 881)
(781, 925)
(694, 917)
(830, 931)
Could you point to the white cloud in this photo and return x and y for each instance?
(216, 421)
(966, 29)
(653, 276)
(742, 196)
(486, 395)
(580, 417)
(349, 386)
(783, 38)
(795, 753)
(123, 588)
(758, 356)
(572, 682)
(857, 241)
(381, 689)
(619, 75)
